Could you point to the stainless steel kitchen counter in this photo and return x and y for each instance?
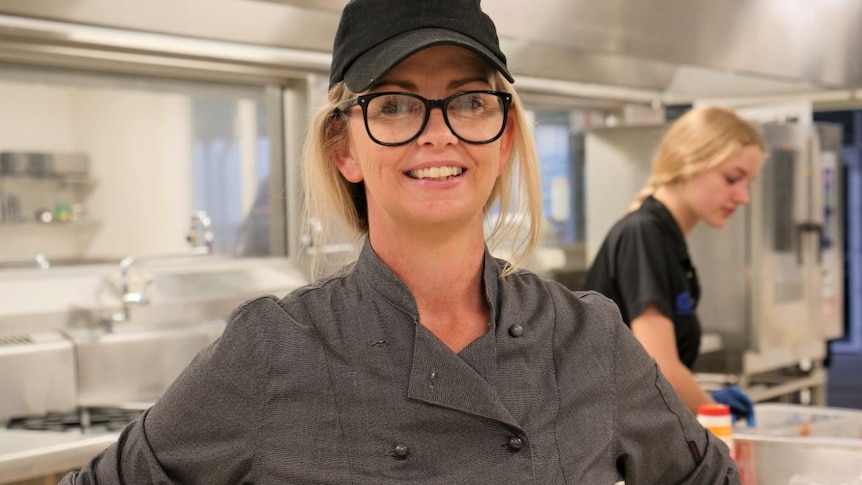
(32, 454)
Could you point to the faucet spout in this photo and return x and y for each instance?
(200, 233)
(200, 237)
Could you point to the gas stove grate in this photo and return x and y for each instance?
(110, 419)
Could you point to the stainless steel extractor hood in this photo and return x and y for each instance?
(666, 51)
(680, 49)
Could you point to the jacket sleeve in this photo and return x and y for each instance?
(128, 460)
(202, 429)
(659, 439)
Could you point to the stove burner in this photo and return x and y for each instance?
(110, 419)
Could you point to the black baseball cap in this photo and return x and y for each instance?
(375, 35)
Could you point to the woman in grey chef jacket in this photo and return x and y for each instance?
(701, 172)
(426, 360)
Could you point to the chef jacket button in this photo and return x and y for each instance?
(516, 330)
(401, 451)
(515, 443)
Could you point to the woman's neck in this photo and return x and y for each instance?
(444, 274)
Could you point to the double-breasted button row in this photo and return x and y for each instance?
(401, 451)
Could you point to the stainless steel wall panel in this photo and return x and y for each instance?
(617, 163)
(832, 236)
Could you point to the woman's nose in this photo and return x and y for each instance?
(436, 130)
(742, 194)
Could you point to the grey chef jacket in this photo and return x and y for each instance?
(338, 383)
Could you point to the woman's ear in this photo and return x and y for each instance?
(346, 163)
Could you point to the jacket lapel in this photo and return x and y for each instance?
(441, 378)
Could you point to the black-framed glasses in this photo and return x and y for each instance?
(393, 118)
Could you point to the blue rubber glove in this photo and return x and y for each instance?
(738, 401)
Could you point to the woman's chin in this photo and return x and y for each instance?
(717, 223)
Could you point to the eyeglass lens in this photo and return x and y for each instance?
(395, 118)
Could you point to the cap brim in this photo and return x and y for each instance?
(370, 67)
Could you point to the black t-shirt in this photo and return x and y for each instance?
(644, 259)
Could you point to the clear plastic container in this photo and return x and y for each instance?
(793, 420)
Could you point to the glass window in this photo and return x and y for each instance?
(156, 152)
(560, 146)
(231, 168)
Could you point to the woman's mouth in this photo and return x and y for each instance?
(435, 173)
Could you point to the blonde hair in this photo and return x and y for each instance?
(698, 141)
(335, 205)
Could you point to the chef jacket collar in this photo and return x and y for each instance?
(653, 206)
(390, 287)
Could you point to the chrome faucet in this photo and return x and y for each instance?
(200, 232)
(42, 261)
(200, 237)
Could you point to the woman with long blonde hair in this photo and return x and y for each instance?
(701, 172)
(426, 360)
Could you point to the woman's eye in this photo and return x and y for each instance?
(731, 180)
(393, 107)
(468, 103)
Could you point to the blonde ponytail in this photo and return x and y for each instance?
(641, 196)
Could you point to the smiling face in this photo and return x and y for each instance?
(436, 181)
(713, 195)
